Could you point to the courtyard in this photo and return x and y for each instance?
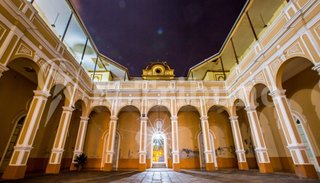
(165, 176)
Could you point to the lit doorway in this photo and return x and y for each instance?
(158, 151)
(306, 141)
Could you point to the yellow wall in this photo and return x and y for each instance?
(95, 138)
(220, 125)
(189, 128)
(129, 129)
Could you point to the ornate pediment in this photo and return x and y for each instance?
(158, 71)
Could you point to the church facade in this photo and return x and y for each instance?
(261, 113)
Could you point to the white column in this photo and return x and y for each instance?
(175, 143)
(241, 155)
(208, 149)
(19, 158)
(54, 164)
(81, 137)
(110, 143)
(259, 142)
(303, 167)
(143, 144)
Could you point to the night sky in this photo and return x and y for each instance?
(137, 32)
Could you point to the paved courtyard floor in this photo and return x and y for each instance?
(166, 176)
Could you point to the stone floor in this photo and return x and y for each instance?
(166, 176)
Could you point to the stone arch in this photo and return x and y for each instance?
(83, 106)
(163, 106)
(299, 63)
(97, 107)
(237, 102)
(226, 108)
(257, 88)
(192, 106)
(120, 109)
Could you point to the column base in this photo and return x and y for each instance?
(107, 167)
(210, 167)
(14, 172)
(53, 169)
(306, 171)
(176, 167)
(243, 166)
(265, 168)
(142, 167)
(73, 167)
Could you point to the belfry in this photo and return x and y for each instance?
(254, 105)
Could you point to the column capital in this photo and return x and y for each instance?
(240, 151)
(261, 149)
(113, 118)
(42, 93)
(3, 68)
(317, 68)
(84, 119)
(250, 108)
(202, 118)
(67, 109)
(144, 118)
(57, 150)
(233, 118)
(174, 118)
(277, 93)
(296, 146)
(22, 148)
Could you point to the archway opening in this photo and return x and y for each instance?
(246, 134)
(16, 93)
(96, 135)
(159, 125)
(219, 124)
(301, 84)
(189, 128)
(128, 127)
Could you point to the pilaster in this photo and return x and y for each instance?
(143, 144)
(110, 143)
(80, 140)
(208, 150)
(175, 144)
